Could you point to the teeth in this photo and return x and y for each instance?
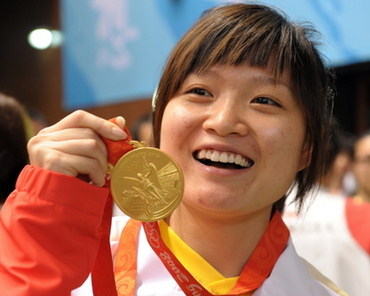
(224, 157)
(238, 159)
(202, 154)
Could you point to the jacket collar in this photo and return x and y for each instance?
(291, 277)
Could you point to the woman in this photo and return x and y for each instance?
(242, 106)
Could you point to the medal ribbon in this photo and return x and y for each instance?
(102, 274)
(256, 270)
(125, 263)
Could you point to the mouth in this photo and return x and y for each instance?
(224, 160)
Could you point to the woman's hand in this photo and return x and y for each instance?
(74, 147)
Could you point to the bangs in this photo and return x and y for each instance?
(238, 37)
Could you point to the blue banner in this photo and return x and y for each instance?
(114, 50)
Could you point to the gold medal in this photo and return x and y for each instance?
(147, 184)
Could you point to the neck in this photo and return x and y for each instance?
(223, 242)
(333, 184)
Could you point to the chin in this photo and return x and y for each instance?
(219, 202)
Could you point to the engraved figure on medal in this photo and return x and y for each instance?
(147, 184)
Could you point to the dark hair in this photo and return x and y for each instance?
(238, 33)
(13, 144)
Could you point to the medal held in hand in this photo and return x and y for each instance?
(147, 184)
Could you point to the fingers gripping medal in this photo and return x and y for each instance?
(146, 183)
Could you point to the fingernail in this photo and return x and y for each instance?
(118, 133)
(120, 121)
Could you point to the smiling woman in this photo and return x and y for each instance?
(277, 49)
(243, 106)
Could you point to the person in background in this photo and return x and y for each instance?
(243, 106)
(338, 179)
(358, 211)
(142, 129)
(15, 131)
(333, 230)
(361, 167)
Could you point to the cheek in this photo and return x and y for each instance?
(276, 137)
(285, 144)
(175, 123)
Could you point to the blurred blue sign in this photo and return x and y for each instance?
(114, 50)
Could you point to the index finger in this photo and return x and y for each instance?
(83, 119)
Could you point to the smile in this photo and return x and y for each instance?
(227, 160)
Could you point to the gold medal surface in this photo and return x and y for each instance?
(147, 184)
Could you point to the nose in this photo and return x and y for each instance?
(226, 117)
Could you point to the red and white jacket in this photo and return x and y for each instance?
(50, 233)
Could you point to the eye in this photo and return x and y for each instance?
(265, 101)
(199, 92)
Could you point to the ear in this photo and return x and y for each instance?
(305, 155)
